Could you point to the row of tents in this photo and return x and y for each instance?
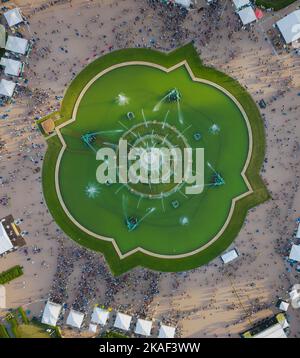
(289, 25)
(100, 317)
(16, 46)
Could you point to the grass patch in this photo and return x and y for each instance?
(3, 332)
(10, 274)
(111, 334)
(274, 4)
(23, 315)
(32, 331)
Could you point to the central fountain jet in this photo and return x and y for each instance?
(173, 95)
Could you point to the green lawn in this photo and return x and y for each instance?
(32, 331)
(17, 325)
(119, 266)
(274, 4)
(10, 274)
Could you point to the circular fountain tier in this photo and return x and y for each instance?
(158, 147)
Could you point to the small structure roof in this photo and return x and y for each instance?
(229, 256)
(100, 316)
(122, 321)
(75, 319)
(51, 313)
(240, 3)
(5, 243)
(184, 3)
(275, 331)
(93, 328)
(295, 253)
(166, 331)
(247, 15)
(16, 44)
(143, 327)
(284, 306)
(13, 17)
(7, 88)
(298, 232)
(289, 26)
(12, 67)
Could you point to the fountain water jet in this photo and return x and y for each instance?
(214, 129)
(92, 191)
(122, 99)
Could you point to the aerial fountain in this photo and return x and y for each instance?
(173, 95)
(122, 99)
(217, 179)
(92, 190)
(214, 129)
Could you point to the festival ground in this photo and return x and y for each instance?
(211, 301)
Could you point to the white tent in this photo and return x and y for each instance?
(7, 88)
(5, 243)
(275, 331)
(16, 44)
(240, 3)
(100, 316)
(51, 313)
(184, 3)
(294, 294)
(13, 17)
(298, 232)
(229, 256)
(2, 36)
(12, 67)
(289, 26)
(2, 297)
(284, 306)
(75, 319)
(295, 253)
(166, 332)
(122, 321)
(93, 328)
(143, 327)
(247, 15)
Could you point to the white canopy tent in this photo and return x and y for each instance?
(11, 67)
(51, 313)
(93, 328)
(122, 321)
(143, 327)
(240, 3)
(13, 17)
(275, 331)
(247, 15)
(2, 297)
(2, 36)
(5, 243)
(289, 26)
(229, 256)
(75, 319)
(284, 306)
(184, 3)
(7, 88)
(16, 44)
(295, 253)
(100, 316)
(295, 296)
(166, 332)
